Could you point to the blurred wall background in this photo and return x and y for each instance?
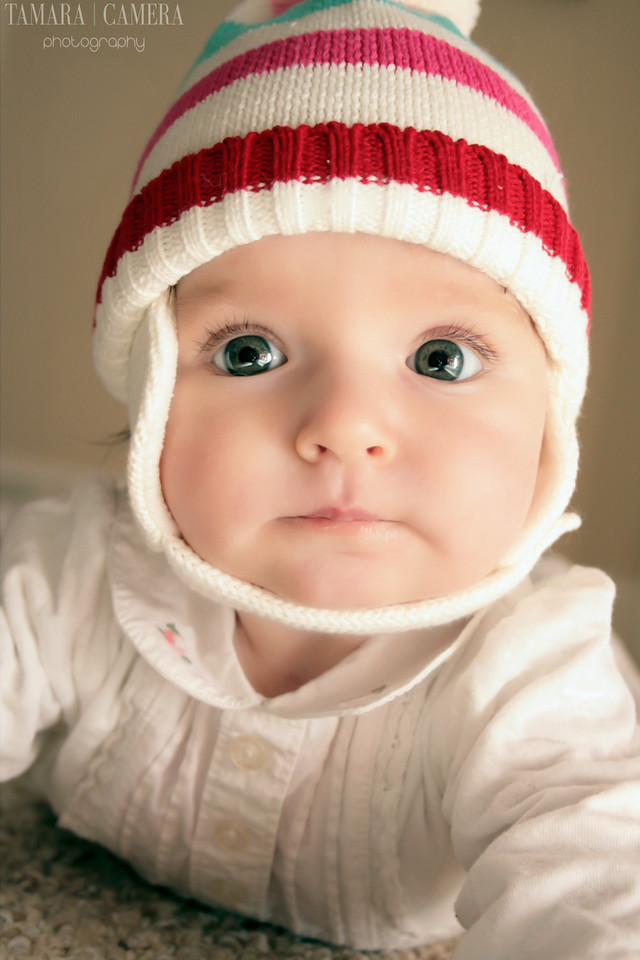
(74, 123)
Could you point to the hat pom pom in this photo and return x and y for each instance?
(462, 13)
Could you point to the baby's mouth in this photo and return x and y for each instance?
(342, 515)
(352, 523)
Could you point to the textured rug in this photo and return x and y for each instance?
(65, 898)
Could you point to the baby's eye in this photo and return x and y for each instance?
(247, 355)
(445, 360)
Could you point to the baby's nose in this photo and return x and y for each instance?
(346, 419)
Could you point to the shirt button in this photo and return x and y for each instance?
(248, 753)
(232, 835)
(227, 893)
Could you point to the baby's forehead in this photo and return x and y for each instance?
(334, 284)
(367, 260)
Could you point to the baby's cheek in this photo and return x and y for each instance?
(183, 462)
(496, 488)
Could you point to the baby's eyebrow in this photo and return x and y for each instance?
(205, 288)
(205, 294)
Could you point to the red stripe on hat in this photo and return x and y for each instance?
(403, 48)
(380, 153)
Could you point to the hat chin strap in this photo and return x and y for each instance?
(152, 372)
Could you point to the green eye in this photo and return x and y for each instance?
(445, 360)
(247, 355)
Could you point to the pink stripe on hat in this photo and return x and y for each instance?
(403, 49)
(281, 6)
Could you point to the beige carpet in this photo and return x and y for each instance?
(65, 898)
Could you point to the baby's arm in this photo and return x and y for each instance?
(542, 787)
(54, 597)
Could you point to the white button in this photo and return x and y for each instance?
(227, 893)
(248, 753)
(232, 835)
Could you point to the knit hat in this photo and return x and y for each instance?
(348, 116)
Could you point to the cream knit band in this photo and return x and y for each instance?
(345, 116)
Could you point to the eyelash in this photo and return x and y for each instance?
(235, 328)
(467, 338)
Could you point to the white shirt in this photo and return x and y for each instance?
(484, 774)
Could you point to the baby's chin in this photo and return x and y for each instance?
(350, 579)
(342, 591)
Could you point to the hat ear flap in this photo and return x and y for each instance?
(152, 375)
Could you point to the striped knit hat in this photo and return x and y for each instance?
(348, 116)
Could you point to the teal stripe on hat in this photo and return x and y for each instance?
(441, 21)
(230, 29)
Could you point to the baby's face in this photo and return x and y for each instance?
(356, 422)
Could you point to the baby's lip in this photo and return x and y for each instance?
(342, 515)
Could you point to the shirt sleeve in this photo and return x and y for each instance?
(540, 769)
(55, 601)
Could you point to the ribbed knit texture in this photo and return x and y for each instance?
(350, 116)
(379, 153)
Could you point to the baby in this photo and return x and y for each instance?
(311, 665)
